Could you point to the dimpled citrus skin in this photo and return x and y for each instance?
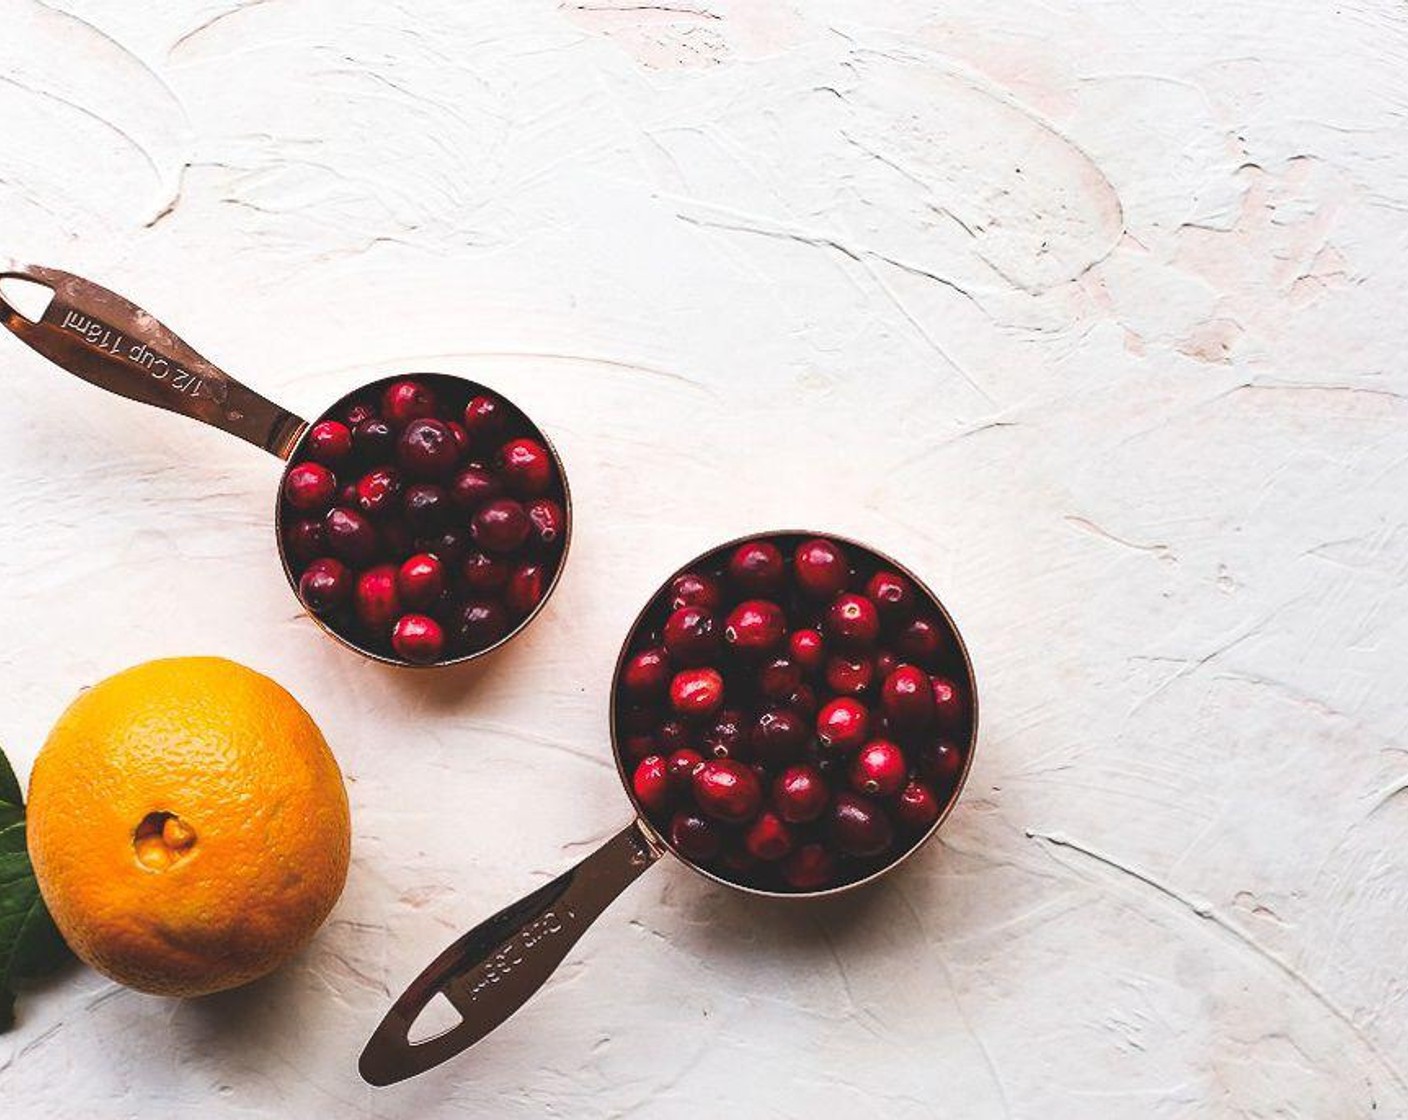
(253, 861)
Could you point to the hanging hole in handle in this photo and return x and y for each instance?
(436, 1018)
(28, 297)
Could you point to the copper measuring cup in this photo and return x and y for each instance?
(495, 968)
(109, 342)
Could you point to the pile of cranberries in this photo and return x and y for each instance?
(424, 519)
(793, 713)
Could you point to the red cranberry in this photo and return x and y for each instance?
(892, 594)
(404, 401)
(917, 808)
(768, 838)
(858, 826)
(378, 604)
(425, 507)
(908, 698)
(500, 526)
(737, 859)
(418, 639)
(810, 868)
(474, 486)
(821, 568)
(461, 437)
(879, 769)
(396, 539)
(548, 521)
(524, 590)
(325, 585)
(757, 568)
(480, 624)
(420, 581)
(305, 541)
(526, 467)
(427, 449)
(948, 704)
(800, 794)
(693, 590)
(755, 626)
(638, 746)
(849, 676)
(728, 735)
(351, 536)
(646, 673)
(674, 735)
(691, 637)
(651, 783)
(329, 442)
(842, 725)
(484, 419)
(449, 546)
(885, 663)
(309, 487)
(807, 650)
(778, 736)
(727, 790)
(779, 678)
(347, 496)
(803, 702)
(680, 767)
(694, 837)
(378, 491)
(941, 764)
(357, 412)
(483, 574)
(852, 622)
(373, 440)
(697, 692)
(920, 641)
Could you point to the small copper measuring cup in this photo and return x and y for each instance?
(491, 971)
(109, 342)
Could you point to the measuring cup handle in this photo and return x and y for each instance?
(495, 968)
(102, 338)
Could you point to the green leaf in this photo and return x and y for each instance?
(11, 799)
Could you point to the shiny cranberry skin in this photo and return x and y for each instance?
(691, 636)
(697, 692)
(810, 868)
(461, 437)
(907, 697)
(727, 790)
(849, 676)
(420, 581)
(377, 601)
(417, 638)
(347, 496)
(694, 590)
(548, 521)
(404, 401)
(329, 442)
(373, 440)
(378, 491)
(916, 808)
(474, 486)
(755, 626)
(309, 487)
(768, 838)
(681, 765)
(779, 678)
(305, 541)
(885, 663)
(821, 568)
(807, 649)
(526, 467)
(481, 623)
(920, 641)
(358, 412)
(427, 449)
(803, 702)
(449, 546)
(695, 837)
(325, 584)
(351, 537)
(852, 622)
(425, 507)
(500, 526)
(941, 763)
(800, 794)
(892, 594)
(646, 673)
(674, 735)
(879, 769)
(858, 826)
(485, 418)
(651, 783)
(727, 737)
(757, 568)
(842, 725)
(778, 736)
(484, 574)
(524, 589)
(948, 704)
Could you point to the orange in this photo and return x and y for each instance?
(188, 826)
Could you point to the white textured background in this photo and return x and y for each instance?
(1090, 311)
